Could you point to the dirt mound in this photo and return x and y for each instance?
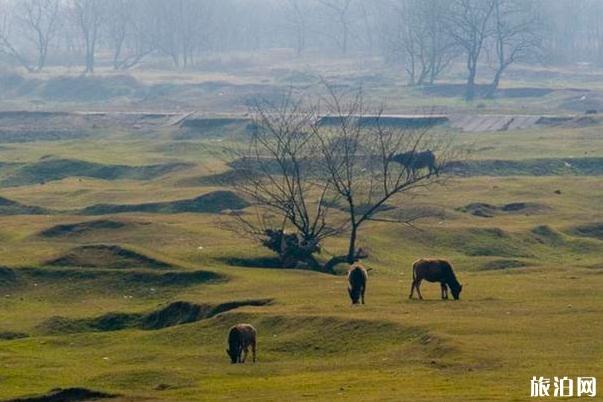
(211, 203)
(7, 276)
(82, 228)
(89, 88)
(106, 256)
(485, 210)
(593, 230)
(546, 235)
(458, 90)
(9, 207)
(528, 167)
(583, 102)
(194, 127)
(176, 313)
(47, 170)
(66, 395)
(502, 264)
(9, 336)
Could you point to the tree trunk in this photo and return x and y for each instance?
(352, 246)
(495, 83)
(470, 89)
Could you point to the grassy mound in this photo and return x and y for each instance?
(138, 283)
(194, 127)
(57, 169)
(66, 395)
(485, 210)
(9, 335)
(89, 88)
(10, 207)
(176, 313)
(323, 336)
(105, 256)
(528, 167)
(501, 264)
(81, 228)
(593, 230)
(211, 203)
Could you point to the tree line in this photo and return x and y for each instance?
(423, 37)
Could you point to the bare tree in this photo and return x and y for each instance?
(296, 14)
(516, 35)
(417, 37)
(181, 28)
(358, 157)
(88, 16)
(33, 21)
(312, 175)
(341, 10)
(127, 32)
(469, 24)
(277, 171)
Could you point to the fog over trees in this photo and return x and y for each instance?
(422, 38)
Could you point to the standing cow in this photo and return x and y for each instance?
(413, 161)
(240, 338)
(357, 277)
(434, 270)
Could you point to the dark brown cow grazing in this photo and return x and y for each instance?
(357, 277)
(414, 161)
(433, 270)
(240, 337)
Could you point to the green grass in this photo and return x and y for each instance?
(531, 303)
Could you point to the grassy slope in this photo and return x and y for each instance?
(511, 324)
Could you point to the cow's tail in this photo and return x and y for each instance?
(414, 270)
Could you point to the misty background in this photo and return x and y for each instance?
(474, 42)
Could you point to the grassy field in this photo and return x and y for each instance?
(532, 303)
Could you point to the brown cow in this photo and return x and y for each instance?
(415, 160)
(240, 337)
(357, 277)
(434, 270)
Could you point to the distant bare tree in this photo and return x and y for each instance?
(517, 35)
(181, 28)
(470, 25)
(296, 15)
(416, 34)
(88, 16)
(36, 22)
(128, 34)
(341, 10)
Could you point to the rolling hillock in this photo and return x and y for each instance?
(105, 256)
(176, 313)
(82, 228)
(211, 203)
(10, 207)
(47, 170)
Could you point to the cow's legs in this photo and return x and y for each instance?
(418, 286)
(362, 294)
(245, 352)
(253, 350)
(412, 289)
(444, 291)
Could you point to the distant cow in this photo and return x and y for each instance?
(414, 161)
(357, 277)
(433, 270)
(240, 338)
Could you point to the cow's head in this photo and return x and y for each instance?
(456, 291)
(234, 356)
(354, 295)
